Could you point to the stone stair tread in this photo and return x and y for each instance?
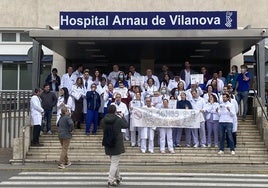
(88, 150)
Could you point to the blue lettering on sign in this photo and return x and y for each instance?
(148, 20)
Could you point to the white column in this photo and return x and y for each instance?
(59, 63)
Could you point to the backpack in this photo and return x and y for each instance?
(109, 137)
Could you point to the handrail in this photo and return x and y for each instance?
(262, 108)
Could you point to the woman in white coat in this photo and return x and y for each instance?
(212, 119)
(63, 100)
(147, 132)
(137, 102)
(36, 116)
(166, 134)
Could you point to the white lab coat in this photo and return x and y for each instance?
(59, 106)
(36, 110)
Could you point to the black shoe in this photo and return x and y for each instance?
(119, 180)
(112, 184)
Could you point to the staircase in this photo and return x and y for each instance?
(88, 150)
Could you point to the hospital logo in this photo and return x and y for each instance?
(229, 20)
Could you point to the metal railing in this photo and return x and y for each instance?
(260, 104)
(14, 109)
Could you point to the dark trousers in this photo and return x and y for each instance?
(92, 117)
(36, 133)
(47, 116)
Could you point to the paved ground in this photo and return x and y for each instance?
(5, 155)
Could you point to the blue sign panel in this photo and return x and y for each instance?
(148, 20)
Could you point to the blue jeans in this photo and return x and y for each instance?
(47, 117)
(228, 128)
(92, 116)
(243, 96)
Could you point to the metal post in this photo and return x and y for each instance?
(36, 57)
(260, 49)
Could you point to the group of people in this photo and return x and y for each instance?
(87, 98)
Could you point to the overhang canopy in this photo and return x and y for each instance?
(130, 46)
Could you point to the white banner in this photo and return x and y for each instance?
(177, 118)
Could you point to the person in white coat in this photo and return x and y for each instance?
(63, 100)
(136, 102)
(166, 133)
(212, 119)
(121, 107)
(226, 113)
(36, 116)
(198, 103)
(147, 132)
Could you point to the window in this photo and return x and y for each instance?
(8, 37)
(10, 76)
(26, 76)
(24, 37)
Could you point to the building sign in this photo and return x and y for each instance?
(148, 20)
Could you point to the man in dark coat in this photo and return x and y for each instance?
(118, 122)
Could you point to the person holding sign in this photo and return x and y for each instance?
(136, 102)
(198, 103)
(182, 104)
(166, 133)
(147, 132)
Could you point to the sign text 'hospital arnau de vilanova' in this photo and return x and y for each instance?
(148, 20)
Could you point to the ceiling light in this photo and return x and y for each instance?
(102, 60)
(202, 50)
(209, 42)
(96, 55)
(196, 56)
(86, 42)
(92, 50)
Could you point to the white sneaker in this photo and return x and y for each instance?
(209, 145)
(49, 132)
(68, 164)
(203, 146)
(142, 151)
(151, 151)
(196, 146)
(41, 133)
(216, 146)
(232, 152)
(221, 152)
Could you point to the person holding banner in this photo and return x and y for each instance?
(166, 133)
(147, 132)
(135, 102)
(198, 103)
(177, 132)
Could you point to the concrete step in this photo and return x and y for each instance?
(88, 150)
